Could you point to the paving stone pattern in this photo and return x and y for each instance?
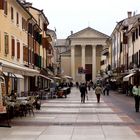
(69, 119)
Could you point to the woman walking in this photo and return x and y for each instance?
(98, 91)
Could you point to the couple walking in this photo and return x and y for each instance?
(83, 91)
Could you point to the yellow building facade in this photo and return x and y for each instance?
(13, 37)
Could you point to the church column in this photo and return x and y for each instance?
(93, 62)
(83, 61)
(73, 62)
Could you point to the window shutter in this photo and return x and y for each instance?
(13, 47)
(22, 23)
(26, 25)
(18, 50)
(6, 44)
(5, 7)
(12, 13)
(17, 18)
(25, 54)
(1, 4)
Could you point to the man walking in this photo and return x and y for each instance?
(106, 89)
(83, 91)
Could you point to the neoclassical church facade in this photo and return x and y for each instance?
(82, 60)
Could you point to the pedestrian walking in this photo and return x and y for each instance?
(83, 91)
(98, 91)
(106, 89)
(136, 93)
(77, 84)
(88, 85)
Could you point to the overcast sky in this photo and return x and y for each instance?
(75, 15)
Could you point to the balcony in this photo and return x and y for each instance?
(105, 51)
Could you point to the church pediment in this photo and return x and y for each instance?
(88, 33)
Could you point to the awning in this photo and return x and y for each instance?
(126, 78)
(13, 75)
(45, 77)
(57, 78)
(68, 77)
(18, 69)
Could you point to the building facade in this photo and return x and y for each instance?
(13, 39)
(24, 46)
(84, 57)
(125, 48)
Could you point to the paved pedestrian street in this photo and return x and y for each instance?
(69, 119)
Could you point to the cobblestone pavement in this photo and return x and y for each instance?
(114, 118)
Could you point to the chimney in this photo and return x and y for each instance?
(129, 14)
(71, 32)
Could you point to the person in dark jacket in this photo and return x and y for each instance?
(83, 91)
(106, 89)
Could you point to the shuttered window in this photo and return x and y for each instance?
(25, 53)
(5, 7)
(24, 24)
(18, 49)
(17, 18)
(1, 4)
(13, 46)
(6, 43)
(12, 13)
